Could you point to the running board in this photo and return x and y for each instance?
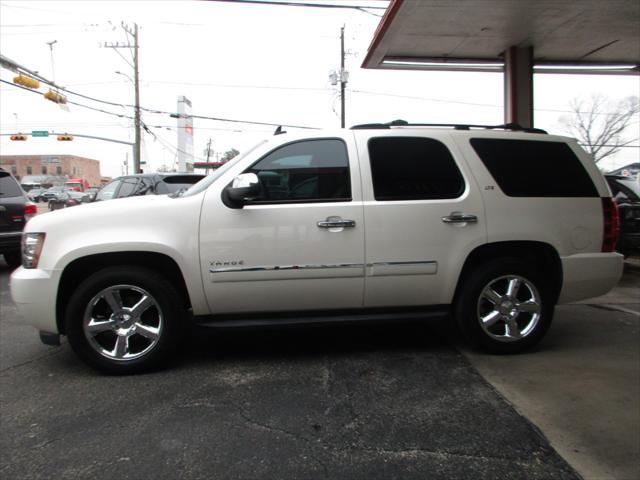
(318, 318)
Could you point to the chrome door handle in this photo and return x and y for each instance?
(331, 223)
(456, 217)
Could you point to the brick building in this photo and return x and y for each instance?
(69, 166)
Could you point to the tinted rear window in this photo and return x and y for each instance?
(173, 184)
(8, 186)
(413, 168)
(529, 168)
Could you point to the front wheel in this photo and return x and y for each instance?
(504, 306)
(124, 320)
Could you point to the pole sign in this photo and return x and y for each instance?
(185, 135)
(39, 133)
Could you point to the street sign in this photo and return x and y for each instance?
(51, 160)
(39, 133)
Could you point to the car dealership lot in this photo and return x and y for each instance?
(332, 402)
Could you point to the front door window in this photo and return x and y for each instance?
(307, 171)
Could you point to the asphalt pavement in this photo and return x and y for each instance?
(396, 401)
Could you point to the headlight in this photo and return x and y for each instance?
(31, 248)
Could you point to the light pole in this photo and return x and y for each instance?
(136, 149)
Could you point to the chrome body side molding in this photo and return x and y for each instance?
(309, 271)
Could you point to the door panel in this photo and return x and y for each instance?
(413, 256)
(274, 256)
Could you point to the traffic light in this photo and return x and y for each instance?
(26, 81)
(65, 138)
(55, 97)
(20, 138)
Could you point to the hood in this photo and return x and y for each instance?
(120, 211)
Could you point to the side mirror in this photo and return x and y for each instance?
(245, 187)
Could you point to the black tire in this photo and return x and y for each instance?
(13, 259)
(150, 336)
(472, 303)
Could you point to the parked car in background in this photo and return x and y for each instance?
(92, 192)
(77, 184)
(70, 198)
(15, 211)
(626, 193)
(27, 186)
(35, 194)
(51, 193)
(147, 184)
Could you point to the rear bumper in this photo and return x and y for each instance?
(34, 292)
(589, 275)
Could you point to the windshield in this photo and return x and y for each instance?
(623, 189)
(203, 184)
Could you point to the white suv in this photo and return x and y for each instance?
(383, 221)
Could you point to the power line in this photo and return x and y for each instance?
(224, 85)
(161, 112)
(120, 115)
(6, 61)
(458, 102)
(285, 3)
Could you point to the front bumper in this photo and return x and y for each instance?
(589, 275)
(34, 292)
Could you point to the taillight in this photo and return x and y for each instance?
(30, 211)
(611, 217)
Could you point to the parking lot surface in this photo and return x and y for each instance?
(392, 401)
(339, 402)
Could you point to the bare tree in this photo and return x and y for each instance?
(229, 154)
(599, 124)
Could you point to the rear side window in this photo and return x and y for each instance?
(8, 186)
(413, 168)
(528, 168)
(621, 192)
(108, 191)
(179, 182)
(128, 187)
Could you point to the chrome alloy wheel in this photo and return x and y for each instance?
(122, 322)
(509, 308)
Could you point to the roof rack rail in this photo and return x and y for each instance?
(456, 126)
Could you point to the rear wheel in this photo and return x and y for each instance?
(504, 306)
(124, 320)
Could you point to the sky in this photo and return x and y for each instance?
(245, 62)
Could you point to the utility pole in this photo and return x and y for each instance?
(136, 84)
(206, 170)
(343, 81)
(208, 149)
(53, 73)
(136, 78)
(343, 76)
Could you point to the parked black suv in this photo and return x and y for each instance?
(626, 193)
(147, 184)
(15, 210)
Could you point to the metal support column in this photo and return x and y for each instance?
(518, 86)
